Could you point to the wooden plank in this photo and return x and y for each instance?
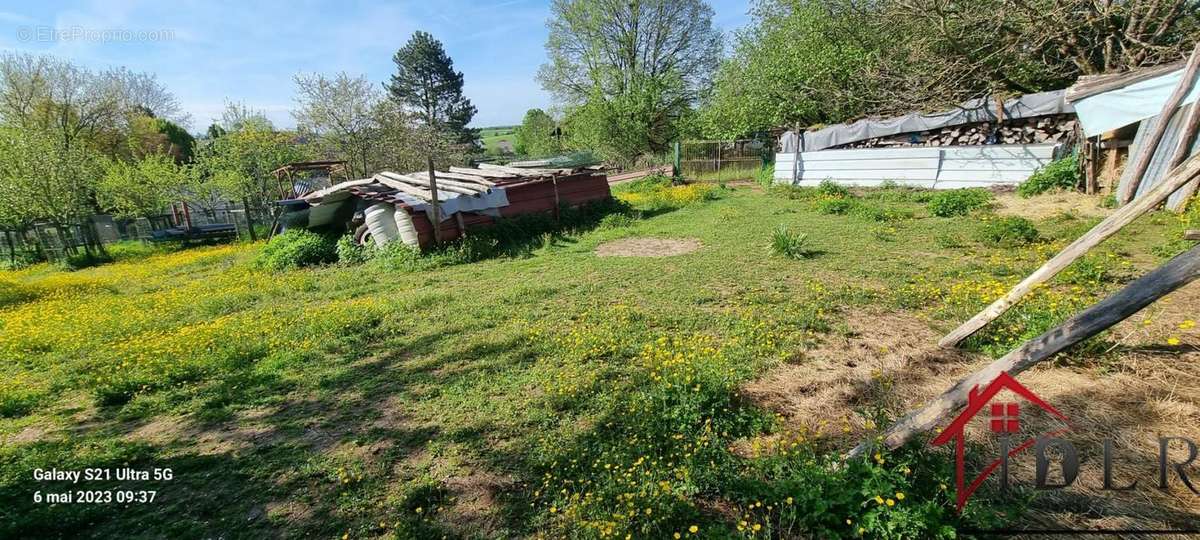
(1176, 273)
(1122, 217)
(519, 172)
(316, 196)
(1141, 161)
(446, 181)
(1191, 235)
(420, 193)
(482, 172)
(465, 178)
(425, 184)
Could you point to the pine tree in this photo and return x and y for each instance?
(426, 83)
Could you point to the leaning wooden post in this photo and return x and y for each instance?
(437, 212)
(1122, 217)
(1176, 273)
(1190, 126)
(1144, 154)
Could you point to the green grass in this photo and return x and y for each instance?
(551, 391)
(491, 136)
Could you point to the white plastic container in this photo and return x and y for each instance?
(381, 223)
(404, 224)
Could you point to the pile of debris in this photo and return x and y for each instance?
(390, 206)
(1039, 130)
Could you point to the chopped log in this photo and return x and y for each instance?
(1122, 217)
(1176, 273)
(1142, 160)
(1191, 235)
(1181, 153)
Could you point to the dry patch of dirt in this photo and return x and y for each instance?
(648, 247)
(1150, 389)
(1050, 204)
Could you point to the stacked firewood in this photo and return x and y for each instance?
(1038, 130)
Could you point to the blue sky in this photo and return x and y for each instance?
(207, 52)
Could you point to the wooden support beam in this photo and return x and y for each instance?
(1123, 216)
(1176, 273)
(1181, 153)
(483, 172)
(1141, 161)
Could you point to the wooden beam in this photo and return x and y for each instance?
(1181, 153)
(1193, 234)
(446, 181)
(471, 178)
(420, 193)
(437, 209)
(1123, 216)
(482, 172)
(1141, 161)
(1176, 273)
(417, 181)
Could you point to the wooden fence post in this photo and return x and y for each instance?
(1122, 217)
(1176, 273)
(437, 212)
(1141, 161)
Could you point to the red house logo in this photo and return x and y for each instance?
(1004, 420)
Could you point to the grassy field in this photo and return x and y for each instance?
(492, 136)
(555, 393)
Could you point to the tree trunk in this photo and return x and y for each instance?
(249, 220)
(1176, 273)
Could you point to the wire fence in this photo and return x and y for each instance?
(723, 160)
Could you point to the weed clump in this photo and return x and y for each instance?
(1008, 231)
(297, 248)
(790, 244)
(1059, 175)
(959, 202)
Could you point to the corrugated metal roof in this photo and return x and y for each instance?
(1157, 170)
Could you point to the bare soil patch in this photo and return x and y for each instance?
(1051, 204)
(648, 247)
(1146, 389)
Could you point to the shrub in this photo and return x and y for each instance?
(1059, 175)
(618, 221)
(832, 189)
(349, 252)
(793, 245)
(880, 213)
(297, 248)
(958, 202)
(1008, 232)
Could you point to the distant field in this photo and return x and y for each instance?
(495, 137)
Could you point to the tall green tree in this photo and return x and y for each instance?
(340, 112)
(143, 186)
(536, 136)
(639, 64)
(426, 83)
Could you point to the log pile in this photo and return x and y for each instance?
(1037, 130)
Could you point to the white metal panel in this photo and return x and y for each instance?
(871, 164)
(871, 182)
(1028, 164)
(910, 174)
(995, 177)
(871, 153)
(960, 184)
(999, 151)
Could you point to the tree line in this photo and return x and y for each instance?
(633, 75)
(75, 142)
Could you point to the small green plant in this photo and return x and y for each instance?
(1059, 175)
(790, 244)
(1109, 202)
(1008, 232)
(949, 241)
(835, 205)
(766, 176)
(830, 188)
(350, 253)
(618, 220)
(297, 248)
(958, 202)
